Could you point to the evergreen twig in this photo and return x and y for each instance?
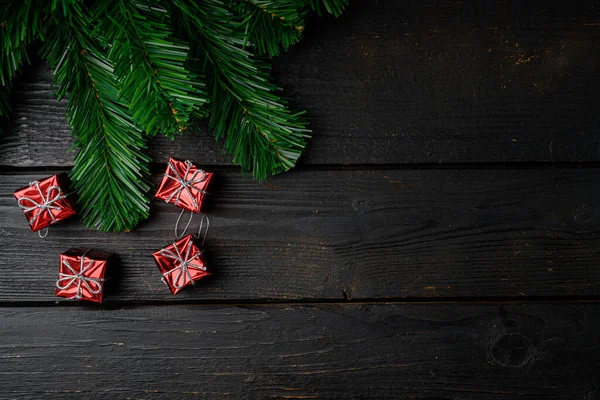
(257, 127)
(133, 68)
(20, 24)
(111, 167)
(334, 7)
(161, 92)
(271, 25)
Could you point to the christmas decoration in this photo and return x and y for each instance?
(136, 68)
(45, 202)
(184, 185)
(181, 263)
(81, 274)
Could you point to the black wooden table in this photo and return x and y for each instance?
(437, 241)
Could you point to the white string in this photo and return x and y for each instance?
(204, 218)
(178, 236)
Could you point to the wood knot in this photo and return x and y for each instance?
(360, 206)
(512, 350)
(583, 214)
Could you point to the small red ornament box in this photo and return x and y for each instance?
(81, 274)
(181, 263)
(184, 185)
(45, 202)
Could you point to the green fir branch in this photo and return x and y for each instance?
(270, 25)
(13, 52)
(20, 24)
(62, 5)
(334, 7)
(150, 65)
(111, 167)
(257, 127)
(135, 66)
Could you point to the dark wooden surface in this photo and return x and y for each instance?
(401, 82)
(361, 234)
(347, 351)
(439, 239)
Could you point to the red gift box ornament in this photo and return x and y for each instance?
(184, 185)
(81, 274)
(44, 203)
(182, 262)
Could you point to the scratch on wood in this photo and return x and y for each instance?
(523, 60)
(335, 371)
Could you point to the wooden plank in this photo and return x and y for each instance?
(368, 351)
(404, 82)
(346, 234)
(38, 133)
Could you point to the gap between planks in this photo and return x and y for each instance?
(114, 305)
(160, 167)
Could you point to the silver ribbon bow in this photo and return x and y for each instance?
(185, 184)
(46, 203)
(185, 264)
(80, 278)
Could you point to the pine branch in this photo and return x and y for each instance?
(20, 24)
(126, 71)
(334, 7)
(61, 5)
(270, 25)
(149, 63)
(259, 130)
(10, 63)
(13, 53)
(111, 167)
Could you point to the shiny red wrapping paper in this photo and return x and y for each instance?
(45, 202)
(184, 185)
(181, 263)
(88, 285)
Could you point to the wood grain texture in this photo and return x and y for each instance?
(442, 352)
(346, 234)
(403, 82)
(390, 83)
